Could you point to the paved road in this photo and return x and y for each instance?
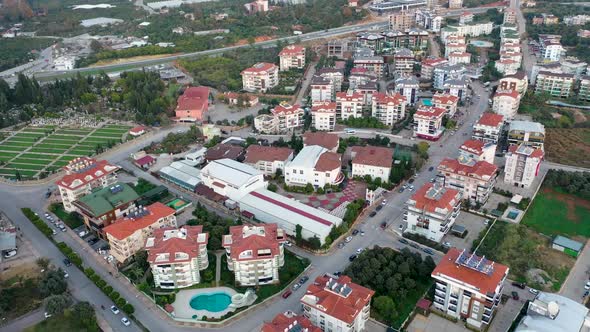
(573, 287)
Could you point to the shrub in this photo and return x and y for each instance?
(114, 296)
(101, 283)
(107, 290)
(88, 272)
(128, 308)
(120, 302)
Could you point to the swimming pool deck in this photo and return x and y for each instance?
(182, 307)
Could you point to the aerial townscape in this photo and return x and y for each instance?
(295, 165)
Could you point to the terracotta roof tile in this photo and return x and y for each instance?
(194, 98)
(394, 98)
(171, 241)
(290, 322)
(444, 98)
(507, 93)
(256, 153)
(490, 119)
(425, 201)
(223, 150)
(124, 227)
(292, 50)
(260, 67)
(325, 107)
(473, 146)
(326, 140)
(373, 156)
(430, 112)
(328, 161)
(81, 171)
(254, 238)
(479, 168)
(287, 109)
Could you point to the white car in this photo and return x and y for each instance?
(47, 315)
(587, 286)
(125, 321)
(288, 244)
(359, 250)
(115, 310)
(10, 253)
(348, 239)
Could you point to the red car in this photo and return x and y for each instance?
(287, 294)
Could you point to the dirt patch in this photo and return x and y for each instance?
(570, 202)
(126, 60)
(579, 116)
(23, 264)
(568, 146)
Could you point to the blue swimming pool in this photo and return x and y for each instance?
(213, 302)
(481, 43)
(427, 102)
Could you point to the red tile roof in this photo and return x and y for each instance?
(292, 50)
(473, 146)
(344, 96)
(479, 168)
(328, 161)
(507, 93)
(430, 112)
(433, 61)
(486, 284)
(358, 70)
(490, 119)
(394, 98)
(171, 241)
(145, 160)
(223, 150)
(137, 129)
(325, 107)
(256, 153)
(334, 303)
(373, 156)
(290, 322)
(124, 227)
(459, 54)
(254, 238)
(537, 153)
(326, 140)
(260, 67)
(286, 109)
(424, 201)
(82, 171)
(194, 99)
(444, 98)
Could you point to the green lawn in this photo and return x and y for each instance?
(24, 166)
(70, 219)
(73, 132)
(32, 161)
(22, 139)
(5, 156)
(62, 323)
(81, 152)
(24, 172)
(554, 213)
(55, 150)
(17, 144)
(11, 148)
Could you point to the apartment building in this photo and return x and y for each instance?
(507, 66)
(177, 256)
(412, 38)
(550, 47)
(506, 103)
(428, 122)
(321, 90)
(555, 84)
(455, 44)
(526, 132)
(292, 57)
(255, 253)
(429, 20)
(374, 64)
(367, 90)
(456, 87)
(573, 65)
(517, 81)
(283, 118)
(403, 62)
(373, 161)
(335, 75)
(268, 159)
(510, 16)
(466, 17)
(470, 29)
(337, 304)
(455, 4)
(349, 104)
(432, 211)
(474, 179)
(128, 234)
(402, 20)
(522, 165)
(290, 322)
(576, 19)
(459, 57)
(389, 108)
(315, 165)
(323, 116)
(468, 287)
(261, 77)
(553, 67)
(477, 150)
(488, 128)
(428, 65)
(584, 93)
(409, 87)
(370, 40)
(446, 72)
(446, 101)
(84, 174)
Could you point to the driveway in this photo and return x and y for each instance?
(434, 323)
(474, 225)
(573, 287)
(507, 312)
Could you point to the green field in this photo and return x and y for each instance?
(37, 156)
(11, 148)
(554, 213)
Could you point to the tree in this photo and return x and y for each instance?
(298, 236)
(83, 312)
(422, 149)
(385, 307)
(42, 262)
(56, 304)
(53, 283)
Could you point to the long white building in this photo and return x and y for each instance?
(232, 179)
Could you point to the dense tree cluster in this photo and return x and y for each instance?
(575, 183)
(213, 224)
(363, 122)
(16, 51)
(142, 92)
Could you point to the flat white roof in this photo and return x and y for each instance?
(307, 157)
(527, 126)
(571, 316)
(230, 171)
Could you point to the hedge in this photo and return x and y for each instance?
(128, 309)
(40, 224)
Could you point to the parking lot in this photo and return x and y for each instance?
(507, 312)
(22, 264)
(474, 225)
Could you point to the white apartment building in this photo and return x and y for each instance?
(316, 165)
(466, 17)
(584, 93)
(459, 57)
(455, 4)
(506, 103)
(403, 61)
(471, 29)
(474, 179)
(428, 122)
(337, 304)
(409, 87)
(527, 132)
(127, 235)
(555, 84)
(283, 118)
(522, 165)
(388, 108)
(468, 286)
(292, 56)
(455, 44)
(82, 175)
(573, 65)
(446, 101)
(374, 161)
(477, 150)
(268, 159)
(64, 63)
(432, 211)
(456, 87)
(550, 47)
(323, 116)
(266, 124)
(488, 128)
(261, 77)
(517, 81)
(349, 104)
(428, 65)
(576, 19)
(177, 256)
(507, 66)
(335, 75)
(232, 179)
(321, 90)
(510, 16)
(446, 72)
(255, 253)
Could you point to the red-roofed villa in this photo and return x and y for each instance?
(192, 104)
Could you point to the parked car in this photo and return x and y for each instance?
(587, 286)
(92, 241)
(288, 244)
(404, 241)
(514, 295)
(82, 233)
(379, 207)
(383, 225)
(519, 285)
(447, 244)
(352, 257)
(585, 294)
(401, 190)
(348, 239)
(534, 291)
(486, 222)
(362, 233)
(287, 293)
(67, 262)
(303, 279)
(433, 180)
(10, 253)
(359, 250)
(125, 321)
(47, 315)
(428, 251)
(414, 245)
(355, 232)
(337, 273)
(340, 245)
(296, 286)
(66, 275)
(372, 214)
(115, 310)
(431, 168)
(53, 232)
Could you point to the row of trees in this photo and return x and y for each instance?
(575, 183)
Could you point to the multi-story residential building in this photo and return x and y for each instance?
(428, 122)
(349, 104)
(374, 64)
(403, 61)
(370, 40)
(367, 90)
(103, 206)
(337, 304)
(584, 93)
(255, 253)
(290, 322)
(477, 150)
(527, 133)
(510, 16)
(555, 84)
(389, 108)
(455, 4)
(231, 179)
(328, 141)
(468, 286)
(443, 73)
(292, 56)
(283, 118)
(409, 87)
(335, 75)
(261, 77)
(510, 46)
(488, 128)
(507, 66)
(402, 20)
(429, 20)
(373, 161)
(573, 65)
(446, 101)
(517, 81)
(474, 179)
(582, 33)
(428, 66)
(456, 87)
(412, 38)
(321, 90)
(576, 20)
(359, 77)
(266, 124)
(549, 19)
(470, 29)
(506, 103)
(315, 165)
(177, 255)
(466, 17)
(549, 312)
(522, 165)
(128, 234)
(553, 67)
(432, 211)
(455, 44)
(550, 47)
(323, 116)
(84, 174)
(268, 159)
(459, 57)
